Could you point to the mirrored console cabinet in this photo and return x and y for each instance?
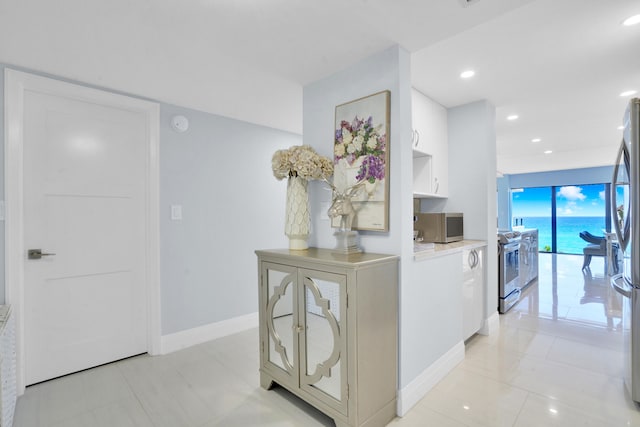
(328, 331)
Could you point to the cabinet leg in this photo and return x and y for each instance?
(265, 381)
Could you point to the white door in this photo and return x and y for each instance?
(85, 202)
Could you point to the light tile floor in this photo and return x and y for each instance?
(556, 361)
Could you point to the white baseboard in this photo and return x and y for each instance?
(419, 387)
(190, 337)
(490, 324)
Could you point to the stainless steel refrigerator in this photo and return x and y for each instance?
(625, 195)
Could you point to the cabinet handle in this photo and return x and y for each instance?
(298, 328)
(474, 255)
(417, 137)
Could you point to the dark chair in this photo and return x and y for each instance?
(597, 247)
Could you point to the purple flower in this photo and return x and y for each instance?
(382, 143)
(370, 121)
(373, 167)
(339, 135)
(357, 123)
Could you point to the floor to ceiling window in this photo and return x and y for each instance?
(531, 208)
(579, 208)
(560, 213)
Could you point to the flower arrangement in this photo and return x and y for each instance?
(372, 168)
(302, 161)
(361, 138)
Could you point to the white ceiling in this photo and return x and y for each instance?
(559, 64)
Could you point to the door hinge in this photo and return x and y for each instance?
(262, 346)
(347, 391)
(347, 302)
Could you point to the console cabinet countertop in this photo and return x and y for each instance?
(329, 331)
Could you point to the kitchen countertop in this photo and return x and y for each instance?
(442, 249)
(521, 230)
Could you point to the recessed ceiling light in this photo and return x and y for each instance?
(548, 152)
(512, 117)
(628, 92)
(467, 74)
(632, 20)
(536, 140)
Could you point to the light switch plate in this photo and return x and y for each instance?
(176, 212)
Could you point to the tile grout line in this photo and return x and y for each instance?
(138, 399)
(524, 402)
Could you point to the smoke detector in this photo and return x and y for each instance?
(466, 3)
(179, 123)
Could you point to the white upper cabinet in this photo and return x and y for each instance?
(430, 147)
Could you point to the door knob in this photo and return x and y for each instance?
(37, 254)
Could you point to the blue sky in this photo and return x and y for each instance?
(571, 200)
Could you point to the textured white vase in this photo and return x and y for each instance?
(297, 218)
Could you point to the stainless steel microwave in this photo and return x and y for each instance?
(441, 227)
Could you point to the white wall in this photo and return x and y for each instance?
(387, 70)
(2, 223)
(430, 319)
(472, 181)
(420, 302)
(432, 293)
(583, 176)
(431, 315)
(504, 203)
(220, 172)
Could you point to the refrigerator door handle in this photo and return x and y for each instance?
(619, 283)
(621, 233)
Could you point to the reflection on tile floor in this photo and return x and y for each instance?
(561, 346)
(556, 361)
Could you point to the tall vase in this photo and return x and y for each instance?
(297, 218)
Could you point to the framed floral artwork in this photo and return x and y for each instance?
(361, 158)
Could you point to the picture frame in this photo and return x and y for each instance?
(361, 156)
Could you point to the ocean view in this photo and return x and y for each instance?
(568, 229)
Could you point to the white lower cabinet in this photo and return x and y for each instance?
(473, 290)
(328, 331)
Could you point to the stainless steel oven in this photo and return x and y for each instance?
(508, 272)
